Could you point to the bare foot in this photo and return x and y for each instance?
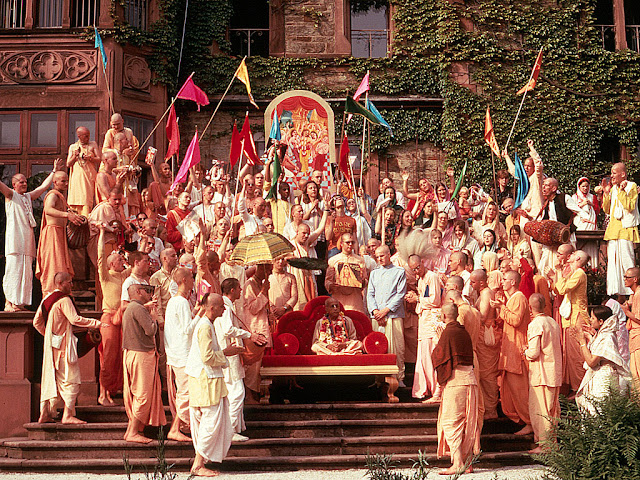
(45, 418)
(10, 307)
(449, 471)
(536, 451)
(178, 437)
(137, 438)
(204, 472)
(525, 431)
(432, 401)
(72, 420)
(106, 402)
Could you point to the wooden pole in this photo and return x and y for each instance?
(493, 167)
(220, 102)
(521, 104)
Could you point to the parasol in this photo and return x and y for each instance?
(262, 248)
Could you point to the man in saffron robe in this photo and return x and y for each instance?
(632, 310)
(159, 188)
(347, 275)
(335, 333)
(458, 428)
(544, 353)
(514, 390)
(573, 285)
(83, 160)
(140, 340)
(174, 217)
(60, 370)
(112, 274)
(53, 251)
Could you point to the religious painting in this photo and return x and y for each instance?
(307, 128)
(348, 274)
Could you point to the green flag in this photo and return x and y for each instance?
(353, 107)
(459, 183)
(275, 175)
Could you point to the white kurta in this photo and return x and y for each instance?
(20, 249)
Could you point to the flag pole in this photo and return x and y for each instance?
(493, 167)
(364, 129)
(235, 195)
(220, 101)
(106, 80)
(155, 127)
(524, 96)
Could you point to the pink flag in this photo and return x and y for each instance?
(173, 134)
(190, 91)
(364, 87)
(191, 159)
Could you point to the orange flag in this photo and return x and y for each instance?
(489, 135)
(534, 75)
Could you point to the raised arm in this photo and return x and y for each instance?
(321, 228)
(405, 186)
(510, 165)
(57, 166)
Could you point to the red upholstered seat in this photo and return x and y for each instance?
(302, 324)
(327, 360)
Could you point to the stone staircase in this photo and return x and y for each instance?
(282, 437)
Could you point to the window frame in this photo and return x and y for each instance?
(14, 150)
(44, 150)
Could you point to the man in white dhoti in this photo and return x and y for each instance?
(211, 428)
(228, 332)
(621, 203)
(60, 370)
(19, 240)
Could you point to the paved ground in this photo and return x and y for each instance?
(505, 473)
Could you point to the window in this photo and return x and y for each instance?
(370, 33)
(632, 20)
(84, 13)
(81, 120)
(7, 170)
(249, 28)
(50, 13)
(135, 13)
(12, 13)
(37, 168)
(44, 130)
(141, 128)
(10, 131)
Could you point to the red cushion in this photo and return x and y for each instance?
(327, 360)
(376, 343)
(286, 344)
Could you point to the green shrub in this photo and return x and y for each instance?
(601, 446)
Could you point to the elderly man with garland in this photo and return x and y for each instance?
(335, 333)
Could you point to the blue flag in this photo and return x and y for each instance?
(372, 108)
(275, 127)
(99, 45)
(523, 182)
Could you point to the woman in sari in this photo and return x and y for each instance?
(490, 221)
(445, 226)
(491, 265)
(605, 367)
(489, 243)
(439, 261)
(424, 195)
(586, 217)
(462, 239)
(518, 245)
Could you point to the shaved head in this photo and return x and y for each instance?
(537, 303)
(514, 276)
(479, 275)
(566, 249)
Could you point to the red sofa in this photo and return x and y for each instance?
(306, 363)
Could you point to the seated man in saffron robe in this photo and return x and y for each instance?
(335, 333)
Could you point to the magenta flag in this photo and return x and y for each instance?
(190, 91)
(364, 86)
(191, 159)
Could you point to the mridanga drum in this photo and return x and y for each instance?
(548, 232)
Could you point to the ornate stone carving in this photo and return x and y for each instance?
(137, 74)
(49, 66)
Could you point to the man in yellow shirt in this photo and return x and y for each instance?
(621, 203)
(211, 428)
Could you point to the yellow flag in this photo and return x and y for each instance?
(243, 75)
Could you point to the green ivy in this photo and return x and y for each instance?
(584, 94)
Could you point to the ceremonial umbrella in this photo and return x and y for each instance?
(262, 248)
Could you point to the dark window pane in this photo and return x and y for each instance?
(81, 120)
(84, 13)
(141, 128)
(10, 130)
(12, 13)
(249, 28)
(50, 13)
(369, 33)
(135, 13)
(7, 171)
(44, 130)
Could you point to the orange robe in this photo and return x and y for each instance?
(257, 319)
(542, 287)
(53, 252)
(634, 337)
(514, 391)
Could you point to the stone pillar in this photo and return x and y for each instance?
(16, 370)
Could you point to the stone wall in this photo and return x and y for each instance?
(309, 27)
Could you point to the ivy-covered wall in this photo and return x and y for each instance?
(472, 54)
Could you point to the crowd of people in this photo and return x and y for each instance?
(489, 314)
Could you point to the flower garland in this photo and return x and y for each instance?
(333, 331)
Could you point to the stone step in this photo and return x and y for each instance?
(269, 429)
(320, 411)
(261, 447)
(278, 463)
